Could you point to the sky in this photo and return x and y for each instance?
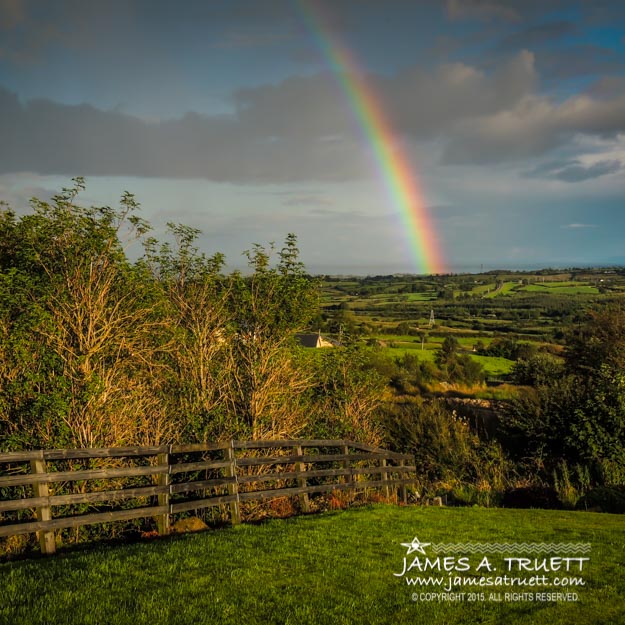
(236, 117)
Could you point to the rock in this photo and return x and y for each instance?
(190, 524)
(433, 501)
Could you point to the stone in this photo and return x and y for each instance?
(190, 524)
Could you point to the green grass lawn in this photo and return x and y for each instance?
(334, 568)
(494, 365)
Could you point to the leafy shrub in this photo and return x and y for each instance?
(544, 497)
(604, 498)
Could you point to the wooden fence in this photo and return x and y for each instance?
(181, 478)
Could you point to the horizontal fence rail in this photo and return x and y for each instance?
(39, 490)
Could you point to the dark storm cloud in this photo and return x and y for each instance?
(303, 128)
(426, 102)
(50, 138)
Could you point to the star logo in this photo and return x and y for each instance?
(415, 545)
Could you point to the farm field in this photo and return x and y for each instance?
(534, 310)
(494, 365)
(341, 567)
(568, 288)
(504, 289)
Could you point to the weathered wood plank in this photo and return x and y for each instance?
(187, 487)
(83, 519)
(78, 498)
(193, 447)
(388, 454)
(185, 467)
(273, 444)
(74, 476)
(288, 443)
(114, 452)
(318, 488)
(20, 456)
(263, 460)
(342, 457)
(23, 504)
(328, 473)
(258, 495)
(198, 504)
(269, 477)
(370, 484)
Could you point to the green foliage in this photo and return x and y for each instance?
(604, 499)
(576, 413)
(597, 426)
(447, 453)
(507, 348)
(98, 351)
(599, 341)
(346, 395)
(447, 352)
(538, 370)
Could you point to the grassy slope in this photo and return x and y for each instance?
(331, 568)
(563, 288)
(494, 365)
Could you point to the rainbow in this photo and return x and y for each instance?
(393, 165)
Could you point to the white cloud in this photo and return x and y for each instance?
(579, 226)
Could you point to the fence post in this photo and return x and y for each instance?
(349, 477)
(404, 493)
(164, 479)
(233, 487)
(385, 479)
(44, 513)
(300, 468)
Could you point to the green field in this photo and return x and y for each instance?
(344, 567)
(415, 350)
(505, 289)
(483, 289)
(494, 365)
(561, 288)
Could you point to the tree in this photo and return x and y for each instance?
(195, 296)
(447, 352)
(576, 412)
(598, 341)
(86, 327)
(346, 395)
(267, 308)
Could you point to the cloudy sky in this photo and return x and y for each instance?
(226, 115)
